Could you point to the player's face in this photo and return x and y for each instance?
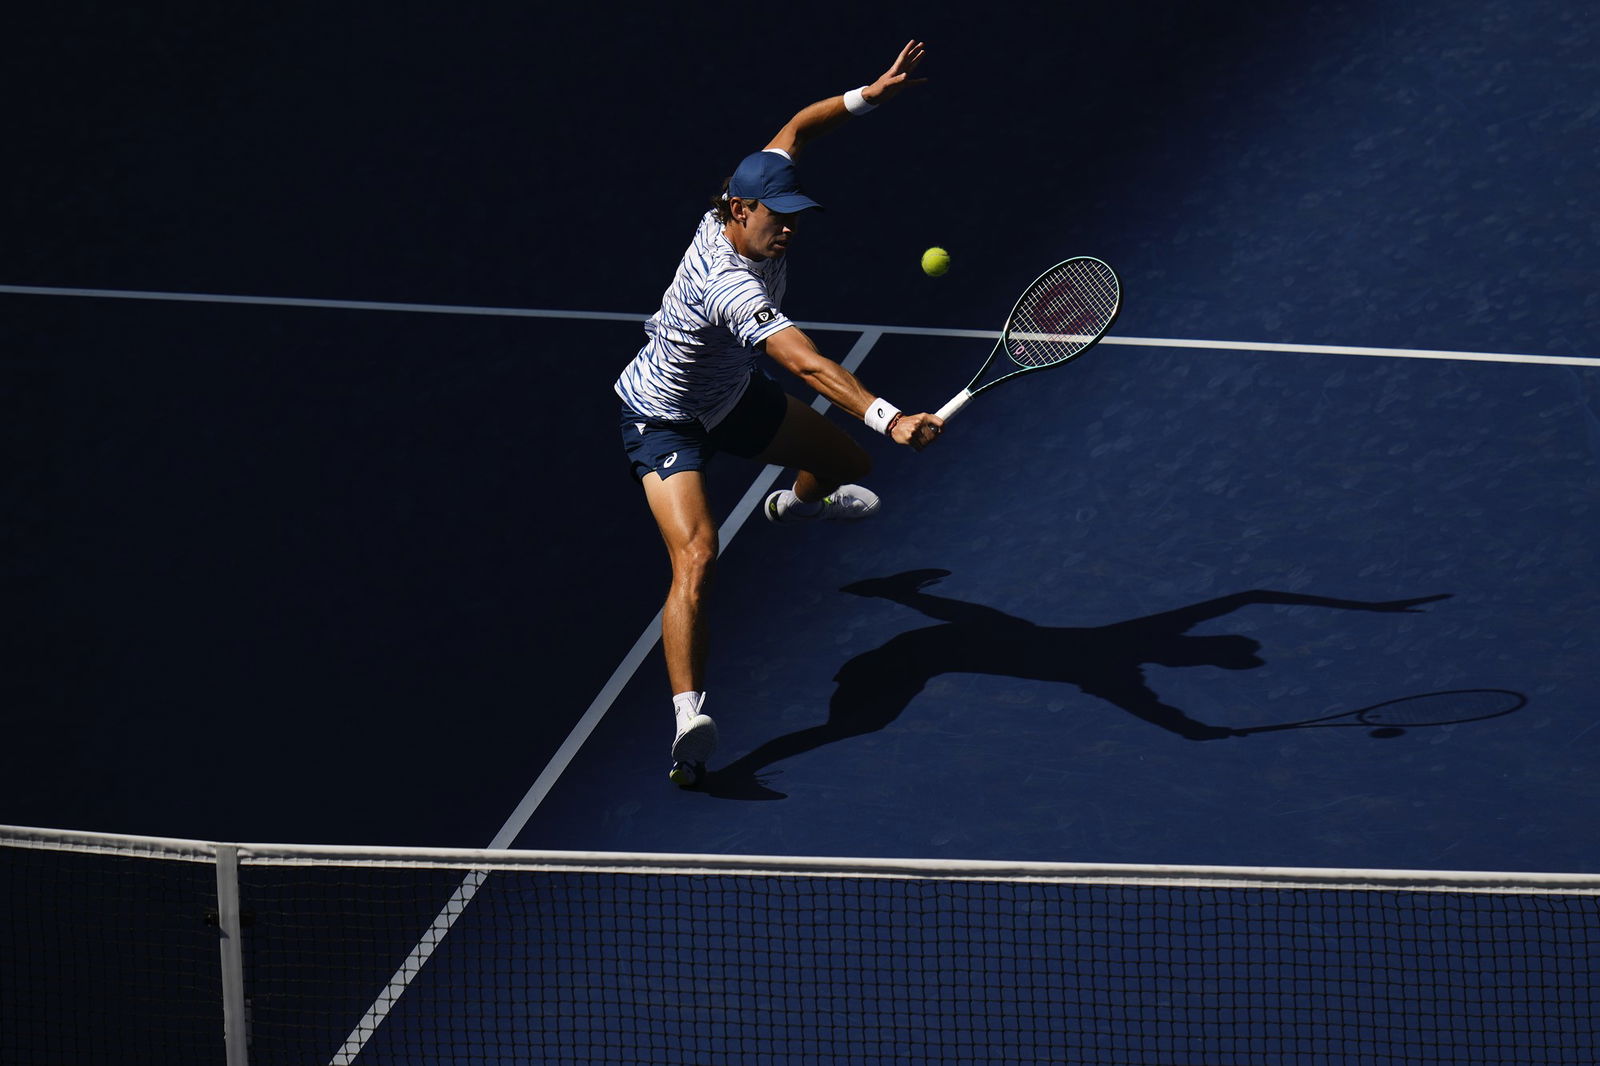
(765, 233)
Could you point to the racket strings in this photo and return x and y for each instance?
(1065, 312)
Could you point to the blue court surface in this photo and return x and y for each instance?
(350, 554)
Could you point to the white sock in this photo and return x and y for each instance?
(790, 502)
(687, 704)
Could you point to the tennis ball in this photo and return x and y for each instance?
(935, 261)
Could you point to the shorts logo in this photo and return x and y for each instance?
(669, 460)
(765, 315)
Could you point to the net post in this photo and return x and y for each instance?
(235, 1021)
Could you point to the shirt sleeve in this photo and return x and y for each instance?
(745, 308)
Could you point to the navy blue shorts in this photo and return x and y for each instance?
(669, 448)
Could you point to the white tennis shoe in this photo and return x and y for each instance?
(696, 737)
(847, 503)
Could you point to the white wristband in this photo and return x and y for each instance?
(880, 413)
(856, 103)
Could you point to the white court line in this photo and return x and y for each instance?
(332, 305)
(843, 327)
(1334, 349)
(620, 677)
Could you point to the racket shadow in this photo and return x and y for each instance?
(875, 687)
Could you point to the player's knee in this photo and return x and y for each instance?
(694, 562)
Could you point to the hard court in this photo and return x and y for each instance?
(320, 532)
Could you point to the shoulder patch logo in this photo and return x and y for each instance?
(765, 315)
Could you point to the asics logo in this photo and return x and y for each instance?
(669, 460)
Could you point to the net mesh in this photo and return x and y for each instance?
(107, 958)
(537, 962)
(1063, 312)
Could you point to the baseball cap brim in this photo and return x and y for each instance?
(790, 203)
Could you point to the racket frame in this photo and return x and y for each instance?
(962, 398)
(1375, 715)
(1512, 701)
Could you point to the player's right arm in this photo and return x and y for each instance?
(793, 350)
(816, 119)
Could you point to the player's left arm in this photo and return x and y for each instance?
(792, 349)
(816, 119)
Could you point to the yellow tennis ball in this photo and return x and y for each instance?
(935, 261)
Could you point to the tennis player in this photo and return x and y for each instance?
(696, 389)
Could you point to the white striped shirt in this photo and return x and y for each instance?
(701, 344)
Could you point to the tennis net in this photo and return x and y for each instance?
(132, 950)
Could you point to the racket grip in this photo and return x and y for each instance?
(957, 402)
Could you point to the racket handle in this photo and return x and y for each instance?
(957, 402)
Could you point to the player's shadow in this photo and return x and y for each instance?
(1106, 661)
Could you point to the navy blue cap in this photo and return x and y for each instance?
(770, 178)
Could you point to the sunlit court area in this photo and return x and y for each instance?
(1225, 693)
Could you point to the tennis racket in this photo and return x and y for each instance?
(1392, 718)
(1060, 316)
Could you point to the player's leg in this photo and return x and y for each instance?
(823, 455)
(683, 513)
(827, 461)
(667, 459)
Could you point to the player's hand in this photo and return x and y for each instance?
(918, 431)
(898, 76)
